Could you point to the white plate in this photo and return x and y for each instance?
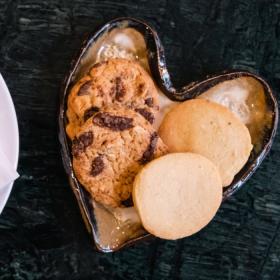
(9, 136)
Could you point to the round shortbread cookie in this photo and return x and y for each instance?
(177, 195)
(110, 149)
(207, 128)
(114, 82)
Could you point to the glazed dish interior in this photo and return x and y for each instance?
(245, 97)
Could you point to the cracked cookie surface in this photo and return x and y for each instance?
(113, 82)
(110, 149)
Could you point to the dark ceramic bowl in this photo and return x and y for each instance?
(159, 72)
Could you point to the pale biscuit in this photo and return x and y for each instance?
(177, 195)
(209, 129)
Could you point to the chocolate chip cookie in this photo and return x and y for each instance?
(109, 150)
(116, 81)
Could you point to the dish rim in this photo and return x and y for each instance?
(78, 190)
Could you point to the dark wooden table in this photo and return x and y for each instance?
(42, 235)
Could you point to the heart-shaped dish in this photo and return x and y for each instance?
(134, 39)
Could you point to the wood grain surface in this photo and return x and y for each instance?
(42, 235)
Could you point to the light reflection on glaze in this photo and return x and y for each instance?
(245, 97)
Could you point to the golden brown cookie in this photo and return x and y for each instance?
(110, 149)
(177, 195)
(116, 81)
(207, 128)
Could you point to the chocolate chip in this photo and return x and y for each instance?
(80, 144)
(146, 114)
(141, 88)
(149, 153)
(84, 88)
(128, 202)
(120, 89)
(149, 102)
(115, 123)
(97, 166)
(90, 112)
